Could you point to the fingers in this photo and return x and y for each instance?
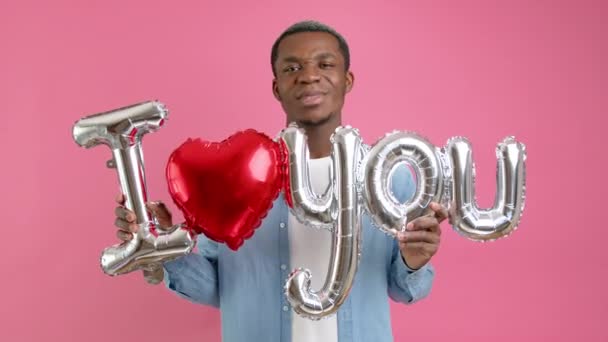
(429, 223)
(131, 227)
(124, 236)
(428, 248)
(159, 209)
(161, 212)
(125, 220)
(125, 214)
(416, 236)
(441, 213)
(154, 276)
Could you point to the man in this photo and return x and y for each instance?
(311, 65)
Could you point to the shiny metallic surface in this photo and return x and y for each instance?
(500, 220)
(122, 130)
(315, 210)
(346, 237)
(225, 189)
(388, 214)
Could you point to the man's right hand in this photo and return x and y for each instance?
(126, 221)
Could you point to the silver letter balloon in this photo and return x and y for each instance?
(122, 131)
(361, 179)
(500, 220)
(395, 148)
(338, 206)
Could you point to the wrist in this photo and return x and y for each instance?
(412, 266)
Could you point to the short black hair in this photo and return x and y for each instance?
(310, 26)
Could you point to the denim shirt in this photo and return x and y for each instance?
(247, 285)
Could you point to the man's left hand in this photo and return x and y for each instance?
(420, 240)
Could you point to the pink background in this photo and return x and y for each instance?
(480, 69)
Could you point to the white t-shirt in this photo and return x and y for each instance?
(310, 248)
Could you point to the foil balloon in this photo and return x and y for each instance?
(315, 210)
(225, 189)
(388, 214)
(487, 224)
(346, 234)
(122, 131)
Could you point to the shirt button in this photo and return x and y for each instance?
(283, 267)
(285, 308)
(282, 224)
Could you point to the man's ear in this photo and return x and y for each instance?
(350, 80)
(275, 90)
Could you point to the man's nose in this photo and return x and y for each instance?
(309, 74)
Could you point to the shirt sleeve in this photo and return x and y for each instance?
(194, 276)
(406, 285)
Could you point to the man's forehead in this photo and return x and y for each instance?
(309, 45)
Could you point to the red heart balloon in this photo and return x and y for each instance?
(225, 189)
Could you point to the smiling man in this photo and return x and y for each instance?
(311, 66)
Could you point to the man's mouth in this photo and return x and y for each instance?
(311, 98)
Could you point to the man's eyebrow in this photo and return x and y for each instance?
(294, 59)
(290, 59)
(325, 55)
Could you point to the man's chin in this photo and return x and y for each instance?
(314, 120)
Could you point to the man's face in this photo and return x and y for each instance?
(311, 80)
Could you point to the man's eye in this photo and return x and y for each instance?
(291, 68)
(327, 65)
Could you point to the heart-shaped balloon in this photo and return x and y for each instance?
(225, 189)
